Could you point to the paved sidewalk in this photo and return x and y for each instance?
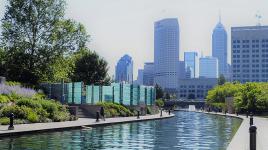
(240, 141)
(35, 127)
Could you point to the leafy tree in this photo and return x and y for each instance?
(219, 93)
(62, 68)
(36, 38)
(91, 69)
(2, 58)
(250, 98)
(159, 103)
(221, 80)
(247, 97)
(159, 92)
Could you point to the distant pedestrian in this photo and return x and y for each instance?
(102, 113)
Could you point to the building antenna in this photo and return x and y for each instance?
(258, 17)
(220, 16)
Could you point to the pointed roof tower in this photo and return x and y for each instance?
(219, 24)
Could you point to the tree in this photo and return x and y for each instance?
(219, 93)
(35, 35)
(247, 97)
(221, 80)
(2, 58)
(159, 103)
(91, 69)
(159, 92)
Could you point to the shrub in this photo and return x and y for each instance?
(32, 117)
(50, 106)
(114, 109)
(14, 97)
(60, 116)
(149, 110)
(29, 106)
(39, 95)
(29, 103)
(113, 112)
(159, 103)
(4, 121)
(72, 118)
(4, 99)
(16, 89)
(41, 112)
(13, 83)
(18, 112)
(20, 121)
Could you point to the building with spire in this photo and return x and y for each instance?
(219, 48)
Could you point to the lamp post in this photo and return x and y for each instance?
(11, 122)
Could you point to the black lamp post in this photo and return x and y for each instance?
(11, 122)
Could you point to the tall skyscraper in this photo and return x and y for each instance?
(166, 53)
(181, 70)
(208, 67)
(124, 70)
(249, 54)
(219, 48)
(191, 64)
(140, 77)
(148, 74)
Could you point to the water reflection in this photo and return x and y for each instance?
(188, 130)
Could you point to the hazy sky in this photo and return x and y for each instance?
(119, 27)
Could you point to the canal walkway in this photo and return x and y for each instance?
(240, 141)
(81, 122)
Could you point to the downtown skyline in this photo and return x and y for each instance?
(115, 34)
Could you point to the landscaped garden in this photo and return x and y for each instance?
(29, 106)
(118, 110)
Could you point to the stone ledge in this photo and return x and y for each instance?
(59, 126)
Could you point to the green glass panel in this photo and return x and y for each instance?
(142, 95)
(77, 92)
(96, 94)
(89, 94)
(69, 92)
(135, 95)
(148, 95)
(126, 94)
(153, 96)
(116, 92)
(107, 93)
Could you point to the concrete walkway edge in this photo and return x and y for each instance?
(240, 140)
(55, 126)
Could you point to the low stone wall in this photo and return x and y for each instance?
(90, 110)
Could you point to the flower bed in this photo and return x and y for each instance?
(29, 106)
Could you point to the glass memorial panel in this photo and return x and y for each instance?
(89, 94)
(116, 92)
(107, 93)
(142, 95)
(126, 94)
(135, 95)
(77, 92)
(96, 94)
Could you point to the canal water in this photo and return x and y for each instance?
(185, 131)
